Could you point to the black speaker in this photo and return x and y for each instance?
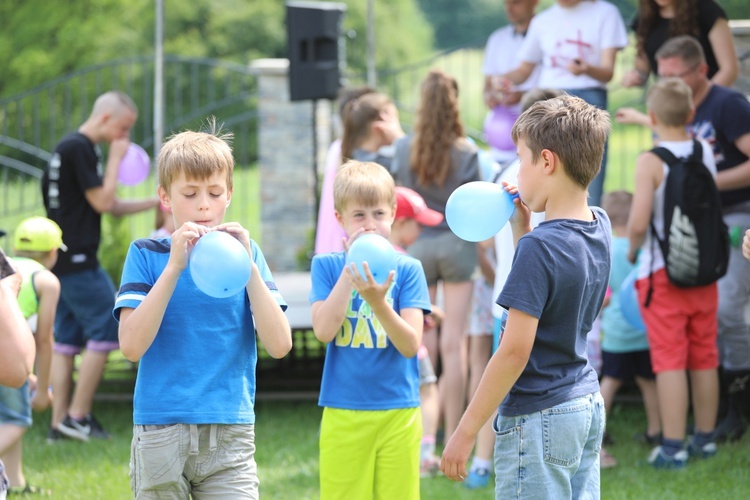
(313, 30)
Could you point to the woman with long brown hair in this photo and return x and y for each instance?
(433, 161)
(658, 20)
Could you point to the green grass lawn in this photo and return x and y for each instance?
(287, 455)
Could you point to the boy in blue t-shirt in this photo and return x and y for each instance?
(195, 389)
(551, 416)
(371, 428)
(625, 351)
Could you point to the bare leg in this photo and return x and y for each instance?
(89, 374)
(672, 392)
(609, 387)
(705, 398)
(452, 384)
(480, 350)
(428, 396)
(650, 404)
(10, 453)
(430, 337)
(61, 376)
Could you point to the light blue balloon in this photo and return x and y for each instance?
(629, 301)
(219, 265)
(377, 252)
(478, 210)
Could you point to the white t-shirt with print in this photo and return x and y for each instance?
(559, 35)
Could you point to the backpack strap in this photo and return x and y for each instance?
(697, 151)
(666, 155)
(670, 159)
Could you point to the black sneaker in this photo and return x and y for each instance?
(96, 430)
(75, 429)
(53, 436)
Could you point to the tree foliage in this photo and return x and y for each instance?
(51, 39)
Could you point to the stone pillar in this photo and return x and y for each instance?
(285, 158)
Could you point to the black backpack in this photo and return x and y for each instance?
(696, 240)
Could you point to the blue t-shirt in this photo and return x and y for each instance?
(363, 370)
(200, 369)
(559, 275)
(722, 118)
(617, 334)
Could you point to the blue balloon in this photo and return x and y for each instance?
(478, 210)
(629, 301)
(377, 252)
(220, 265)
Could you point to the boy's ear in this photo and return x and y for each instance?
(550, 161)
(339, 219)
(652, 117)
(163, 196)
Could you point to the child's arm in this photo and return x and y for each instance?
(328, 315)
(17, 353)
(504, 368)
(271, 323)
(648, 176)
(48, 289)
(138, 327)
(404, 330)
(485, 264)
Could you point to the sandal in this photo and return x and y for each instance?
(606, 461)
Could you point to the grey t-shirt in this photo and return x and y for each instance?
(465, 163)
(560, 274)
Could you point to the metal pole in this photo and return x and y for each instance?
(159, 78)
(371, 74)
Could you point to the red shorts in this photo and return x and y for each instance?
(681, 324)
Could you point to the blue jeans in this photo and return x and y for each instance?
(734, 295)
(596, 97)
(553, 453)
(15, 406)
(84, 313)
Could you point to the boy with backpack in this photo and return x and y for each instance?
(675, 223)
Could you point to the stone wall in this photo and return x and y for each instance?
(285, 158)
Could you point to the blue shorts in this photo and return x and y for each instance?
(84, 313)
(15, 406)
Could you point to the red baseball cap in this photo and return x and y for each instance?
(410, 205)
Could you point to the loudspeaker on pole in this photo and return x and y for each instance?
(313, 34)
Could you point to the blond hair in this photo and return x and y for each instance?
(569, 127)
(114, 102)
(365, 182)
(617, 205)
(198, 155)
(671, 101)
